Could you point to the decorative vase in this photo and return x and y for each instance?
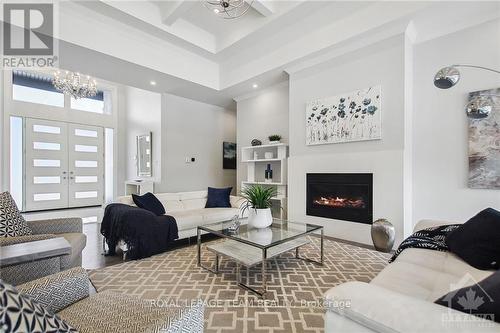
(383, 235)
(268, 174)
(274, 142)
(259, 218)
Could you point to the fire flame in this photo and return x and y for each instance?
(339, 202)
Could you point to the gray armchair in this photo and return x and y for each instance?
(68, 228)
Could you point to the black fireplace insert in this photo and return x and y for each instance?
(341, 196)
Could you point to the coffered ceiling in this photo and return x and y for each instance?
(185, 45)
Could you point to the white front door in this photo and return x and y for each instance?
(86, 165)
(64, 165)
(46, 161)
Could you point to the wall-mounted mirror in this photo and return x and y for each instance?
(144, 155)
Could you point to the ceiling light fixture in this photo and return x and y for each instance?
(153, 83)
(72, 84)
(479, 106)
(255, 85)
(229, 9)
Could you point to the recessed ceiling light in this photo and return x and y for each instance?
(216, 11)
(255, 85)
(153, 83)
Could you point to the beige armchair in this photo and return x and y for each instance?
(67, 294)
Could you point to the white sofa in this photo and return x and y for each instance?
(188, 209)
(401, 297)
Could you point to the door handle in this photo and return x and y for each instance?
(71, 177)
(64, 172)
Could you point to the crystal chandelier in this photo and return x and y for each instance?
(229, 9)
(72, 84)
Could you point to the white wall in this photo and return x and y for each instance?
(381, 64)
(194, 129)
(259, 116)
(440, 123)
(143, 115)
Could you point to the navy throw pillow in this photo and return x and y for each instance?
(477, 241)
(149, 202)
(218, 197)
(480, 299)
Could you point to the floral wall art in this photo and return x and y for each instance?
(354, 116)
(484, 146)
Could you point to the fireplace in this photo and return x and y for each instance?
(341, 196)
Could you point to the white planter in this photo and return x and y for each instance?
(262, 236)
(274, 142)
(259, 218)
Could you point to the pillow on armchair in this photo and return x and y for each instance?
(12, 223)
(24, 314)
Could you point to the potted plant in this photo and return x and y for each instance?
(274, 139)
(258, 202)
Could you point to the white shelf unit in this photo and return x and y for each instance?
(256, 161)
(139, 187)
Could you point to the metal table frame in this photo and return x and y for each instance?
(263, 291)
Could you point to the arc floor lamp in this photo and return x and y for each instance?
(480, 106)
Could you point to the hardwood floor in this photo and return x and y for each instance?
(92, 255)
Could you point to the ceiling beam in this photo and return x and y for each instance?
(263, 7)
(171, 11)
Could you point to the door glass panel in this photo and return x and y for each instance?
(46, 146)
(46, 129)
(46, 196)
(85, 133)
(47, 163)
(47, 180)
(86, 179)
(86, 149)
(85, 194)
(85, 164)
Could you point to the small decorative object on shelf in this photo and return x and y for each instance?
(274, 139)
(268, 155)
(235, 224)
(258, 201)
(383, 235)
(268, 174)
(256, 142)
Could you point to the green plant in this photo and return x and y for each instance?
(274, 137)
(257, 197)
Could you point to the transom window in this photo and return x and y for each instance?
(37, 88)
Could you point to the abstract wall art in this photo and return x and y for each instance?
(229, 155)
(484, 146)
(353, 116)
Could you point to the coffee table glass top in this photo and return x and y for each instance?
(279, 232)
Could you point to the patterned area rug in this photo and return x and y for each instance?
(295, 287)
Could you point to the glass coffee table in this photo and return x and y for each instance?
(249, 246)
